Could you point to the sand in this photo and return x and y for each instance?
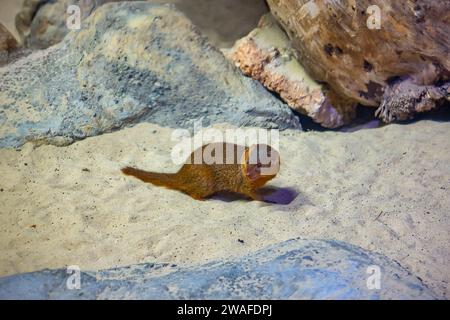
(384, 189)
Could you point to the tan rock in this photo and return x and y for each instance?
(42, 23)
(338, 43)
(267, 56)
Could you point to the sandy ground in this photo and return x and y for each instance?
(384, 189)
(8, 11)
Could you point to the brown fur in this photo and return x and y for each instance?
(203, 180)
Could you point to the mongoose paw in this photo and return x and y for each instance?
(198, 198)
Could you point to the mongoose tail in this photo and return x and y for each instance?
(167, 180)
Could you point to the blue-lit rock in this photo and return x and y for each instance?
(295, 269)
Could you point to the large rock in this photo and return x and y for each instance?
(7, 44)
(266, 55)
(342, 44)
(132, 62)
(295, 269)
(42, 23)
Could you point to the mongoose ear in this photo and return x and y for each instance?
(252, 166)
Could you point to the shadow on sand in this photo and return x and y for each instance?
(270, 195)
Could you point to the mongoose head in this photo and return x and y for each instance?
(260, 164)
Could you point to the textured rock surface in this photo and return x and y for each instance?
(42, 23)
(133, 62)
(7, 44)
(296, 269)
(385, 190)
(266, 55)
(336, 46)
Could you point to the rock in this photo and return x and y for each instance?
(42, 23)
(7, 44)
(295, 269)
(9, 9)
(266, 55)
(133, 62)
(341, 44)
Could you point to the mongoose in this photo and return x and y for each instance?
(239, 169)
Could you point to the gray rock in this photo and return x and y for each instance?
(132, 62)
(295, 269)
(42, 23)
